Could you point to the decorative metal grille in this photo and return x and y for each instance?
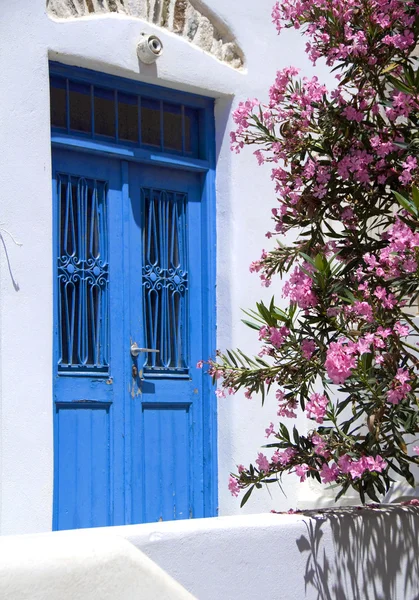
(165, 280)
(82, 274)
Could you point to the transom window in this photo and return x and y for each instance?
(109, 114)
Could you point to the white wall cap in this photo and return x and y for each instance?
(81, 565)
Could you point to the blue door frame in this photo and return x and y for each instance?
(134, 438)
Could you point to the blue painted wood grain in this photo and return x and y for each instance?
(135, 449)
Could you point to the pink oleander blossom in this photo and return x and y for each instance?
(299, 289)
(316, 407)
(301, 471)
(270, 430)
(278, 336)
(233, 486)
(399, 387)
(285, 457)
(286, 406)
(356, 468)
(329, 473)
(339, 362)
(320, 446)
(308, 347)
(262, 462)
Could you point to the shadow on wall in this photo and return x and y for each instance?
(362, 554)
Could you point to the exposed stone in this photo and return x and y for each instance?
(165, 14)
(156, 12)
(188, 18)
(192, 23)
(217, 49)
(179, 16)
(204, 35)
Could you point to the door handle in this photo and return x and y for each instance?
(135, 350)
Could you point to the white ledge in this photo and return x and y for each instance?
(342, 554)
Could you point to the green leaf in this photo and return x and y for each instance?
(251, 325)
(389, 68)
(246, 496)
(399, 85)
(407, 204)
(415, 196)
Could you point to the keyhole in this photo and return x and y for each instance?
(134, 372)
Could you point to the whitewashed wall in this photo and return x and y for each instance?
(28, 38)
(348, 554)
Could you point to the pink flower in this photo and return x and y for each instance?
(356, 468)
(301, 471)
(285, 457)
(399, 387)
(344, 463)
(240, 468)
(416, 450)
(277, 336)
(286, 406)
(329, 474)
(339, 362)
(401, 330)
(320, 446)
(233, 486)
(262, 462)
(316, 407)
(299, 289)
(270, 430)
(307, 348)
(199, 364)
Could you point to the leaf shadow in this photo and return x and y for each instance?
(362, 553)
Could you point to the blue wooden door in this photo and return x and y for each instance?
(129, 430)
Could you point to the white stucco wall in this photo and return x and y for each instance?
(28, 37)
(347, 554)
(83, 565)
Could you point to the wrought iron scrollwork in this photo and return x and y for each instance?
(83, 274)
(165, 279)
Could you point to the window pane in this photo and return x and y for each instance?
(58, 102)
(104, 112)
(192, 131)
(128, 117)
(172, 122)
(80, 107)
(150, 122)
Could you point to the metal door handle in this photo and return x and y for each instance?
(135, 350)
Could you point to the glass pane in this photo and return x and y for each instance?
(192, 131)
(80, 107)
(128, 117)
(172, 122)
(150, 122)
(104, 112)
(58, 102)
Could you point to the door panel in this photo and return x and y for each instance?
(166, 315)
(88, 376)
(128, 431)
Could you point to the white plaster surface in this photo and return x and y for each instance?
(28, 37)
(81, 565)
(345, 554)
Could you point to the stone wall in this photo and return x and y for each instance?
(191, 20)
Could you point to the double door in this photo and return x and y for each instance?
(129, 420)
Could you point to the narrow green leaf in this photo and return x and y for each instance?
(246, 496)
